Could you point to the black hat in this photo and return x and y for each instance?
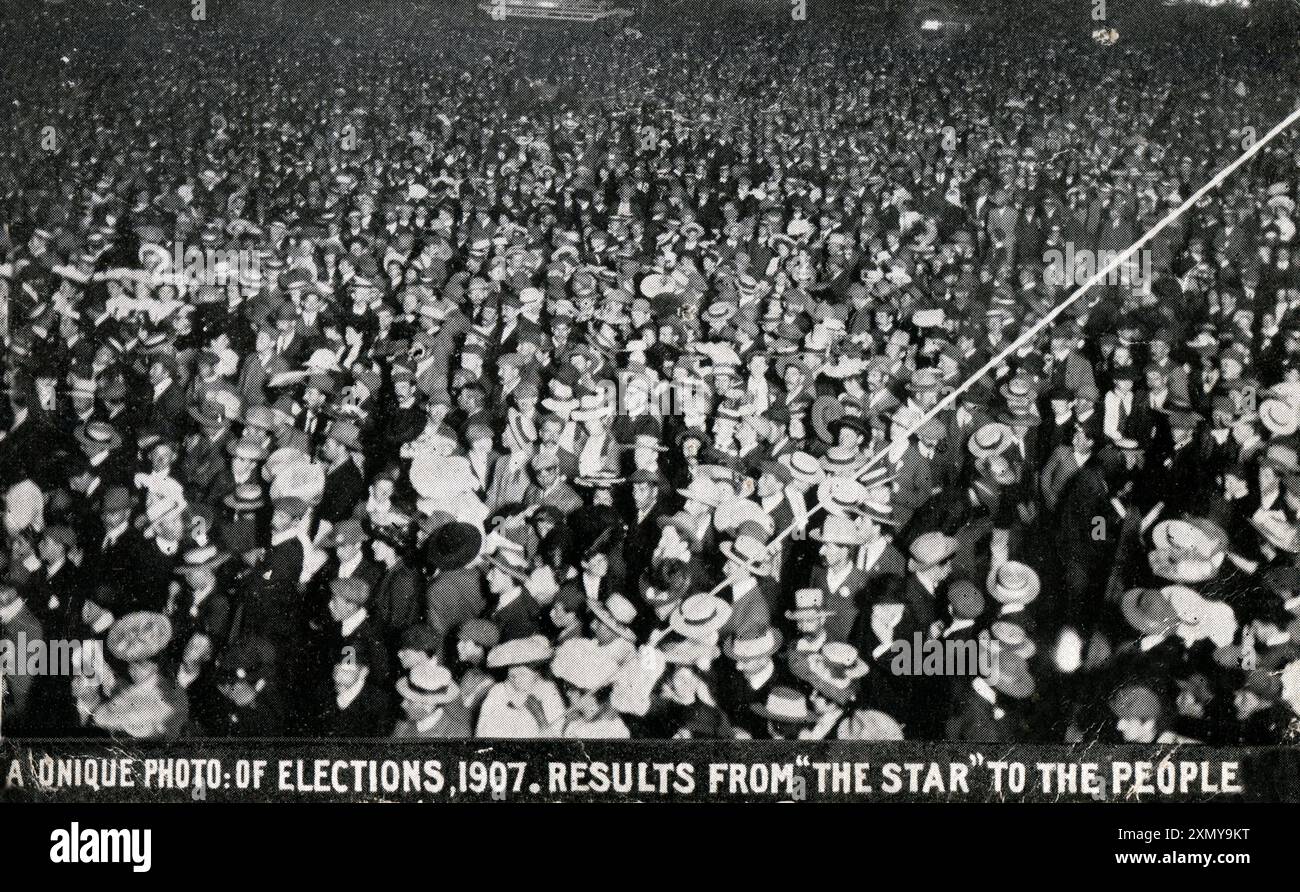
(453, 546)
(251, 659)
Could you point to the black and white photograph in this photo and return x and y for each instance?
(608, 401)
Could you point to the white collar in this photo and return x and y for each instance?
(283, 536)
(345, 699)
(430, 720)
(957, 625)
(763, 677)
(348, 567)
(836, 578)
(7, 614)
(740, 589)
(353, 622)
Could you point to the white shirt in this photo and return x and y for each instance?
(113, 535)
(351, 624)
(836, 578)
(351, 693)
(424, 724)
(348, 567)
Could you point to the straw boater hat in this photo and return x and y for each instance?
(98, 435)
(990, 439)
(929, 549)
(749, 553)
(833, 671)
(429, 684)
(785, 706)
(764, 644)
(700, 617)
(520, 652)
(1278, 418)
(618, 613)
(584, 664)
(139, 636)
(1013, 583)
(839, 531)
(805, 469)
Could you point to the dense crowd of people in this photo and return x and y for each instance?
(401, 374)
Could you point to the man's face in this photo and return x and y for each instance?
(468, 651)
(1137, 730)
(51, 551)
(341, 608)
(546, 475)
(280, 521)
(113, 519)
(347, 674)
(644, 495)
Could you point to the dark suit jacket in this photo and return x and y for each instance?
(18, 687)
(369, 715)
(396, 601)
(453, 597)
(518, 619)
(344, 487)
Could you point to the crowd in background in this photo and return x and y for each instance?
(399, 374)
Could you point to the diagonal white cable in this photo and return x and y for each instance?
(1032, 332)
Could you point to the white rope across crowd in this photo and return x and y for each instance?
(1033, 331)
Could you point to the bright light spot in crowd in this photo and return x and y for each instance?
(931, 25)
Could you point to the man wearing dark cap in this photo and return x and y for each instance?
(251, 703)
(356, 699)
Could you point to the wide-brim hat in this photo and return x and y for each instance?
(139, 636)
(429, 684)
(453, 545)
(520, 652)
(204, 557)
(1014, 583)
(98, 435)
(700, 617)
(584, 664)
(1149, 611)
(765, 644)
(730, 515)
(786, 706)
(839, 531)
